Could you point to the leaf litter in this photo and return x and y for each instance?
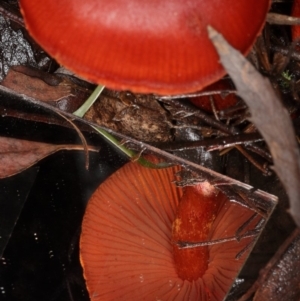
(16, 155)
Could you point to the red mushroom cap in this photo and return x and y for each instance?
(296, 13)
(220, 102)
(145, 46)
(126, 241)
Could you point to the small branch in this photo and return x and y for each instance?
(7, 13)
(212, 144)
(190, 109)
(295, 55)
(191, 245)
(279, 19)
(197, 94)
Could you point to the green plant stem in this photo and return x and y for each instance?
(131, 154)
(89, 102)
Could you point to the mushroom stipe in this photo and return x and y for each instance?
(195, 215)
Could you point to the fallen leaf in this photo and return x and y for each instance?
(34, 87)
(17, 155)
(268, 114)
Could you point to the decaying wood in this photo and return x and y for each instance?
(138, 116)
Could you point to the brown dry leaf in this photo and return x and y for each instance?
(269, 116)
(17, 155)
(34, 87)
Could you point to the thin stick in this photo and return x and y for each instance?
(191, 245)
(197, 94)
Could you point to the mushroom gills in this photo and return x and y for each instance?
(193, 222)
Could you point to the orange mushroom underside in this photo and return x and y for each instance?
(126, 244)
(144, 46)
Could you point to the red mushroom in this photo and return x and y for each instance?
(145, 46)
(128, 249)
(220, 102)
(296, 13)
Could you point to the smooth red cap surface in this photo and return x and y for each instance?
(144, 46)
(126, 241)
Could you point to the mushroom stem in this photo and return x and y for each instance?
(195, 215)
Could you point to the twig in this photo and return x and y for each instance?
(213, 143)
(197, 94)
(192, 110)
(279, 19)
(295, 55)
